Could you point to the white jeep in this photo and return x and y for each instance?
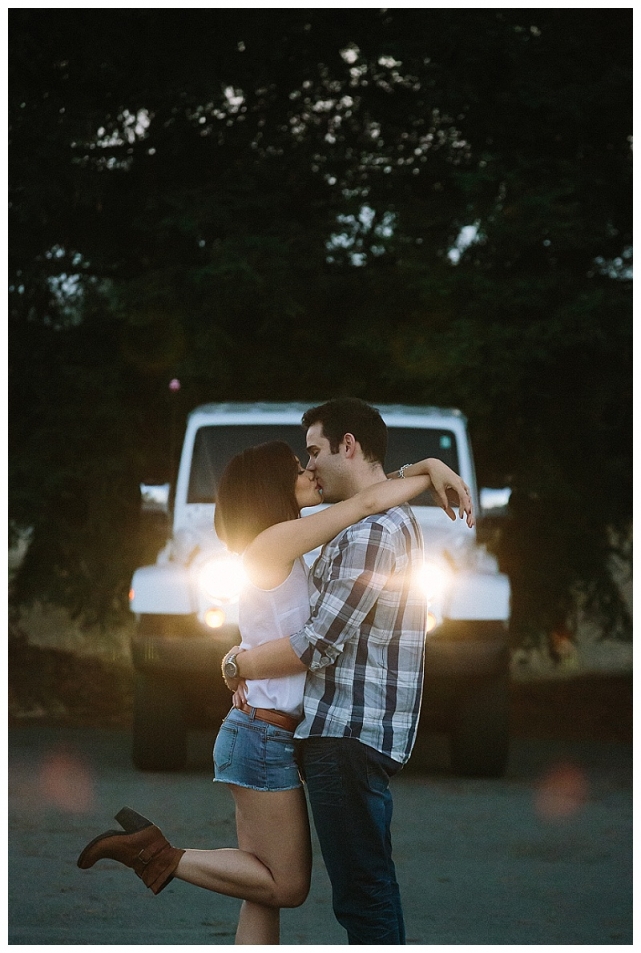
(186, 605)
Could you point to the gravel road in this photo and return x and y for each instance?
(542, 856)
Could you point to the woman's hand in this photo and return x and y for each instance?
(239, 698)
(449, 490)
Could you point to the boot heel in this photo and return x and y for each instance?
(131, 821)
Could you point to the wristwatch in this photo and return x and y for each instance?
(230, 667)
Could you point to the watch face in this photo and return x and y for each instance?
(231, 669)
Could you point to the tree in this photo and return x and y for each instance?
(298, 185)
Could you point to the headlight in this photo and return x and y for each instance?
(433, 580)
(222, 579)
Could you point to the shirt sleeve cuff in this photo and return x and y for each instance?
(309, 653)
(302, 647)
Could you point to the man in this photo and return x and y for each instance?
(363, 649)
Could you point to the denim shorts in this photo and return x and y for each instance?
(254, 754)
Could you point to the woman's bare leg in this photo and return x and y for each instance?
(258, 924)
(271, 867)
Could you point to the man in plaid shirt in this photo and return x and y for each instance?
(363, 648)
(364, 643)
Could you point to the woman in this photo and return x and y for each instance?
(260, 496)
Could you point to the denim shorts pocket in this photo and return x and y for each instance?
(224, 746)
(279, 734)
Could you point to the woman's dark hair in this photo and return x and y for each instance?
(351, 415)
(257, 489)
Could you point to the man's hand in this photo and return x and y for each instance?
(268, 660)
(449, 490)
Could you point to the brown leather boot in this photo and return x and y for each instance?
(141, 846)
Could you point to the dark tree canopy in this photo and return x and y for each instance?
(425, 206)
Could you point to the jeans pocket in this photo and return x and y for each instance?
(224, 746)
(380, 769)
(322, 770)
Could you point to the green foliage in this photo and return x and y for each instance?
(265, 203)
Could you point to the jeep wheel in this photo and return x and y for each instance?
(159, 731)
(479, 742)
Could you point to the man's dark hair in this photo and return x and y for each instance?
(351, 415)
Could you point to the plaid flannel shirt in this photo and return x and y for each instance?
(364, 644)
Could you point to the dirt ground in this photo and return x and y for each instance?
(542, 856)
(46, 683)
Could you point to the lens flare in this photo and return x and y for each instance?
(66, 782)
(433, 580)
(562, 793)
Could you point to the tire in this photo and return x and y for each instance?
(479, 742)
(159, 730)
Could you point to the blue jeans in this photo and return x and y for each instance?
(348, 787)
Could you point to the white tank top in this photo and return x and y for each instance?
(267, 614)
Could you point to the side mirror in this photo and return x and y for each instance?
(154, 497)
(493, 510)
(494, 502)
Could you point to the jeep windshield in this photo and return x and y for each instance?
(215, 446)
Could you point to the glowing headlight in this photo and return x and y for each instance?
(214, 618)
(222, 579)
(433, 580)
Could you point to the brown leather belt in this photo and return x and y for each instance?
(272, 717)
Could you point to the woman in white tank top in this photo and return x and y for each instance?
(260, 496)
(267, 614)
